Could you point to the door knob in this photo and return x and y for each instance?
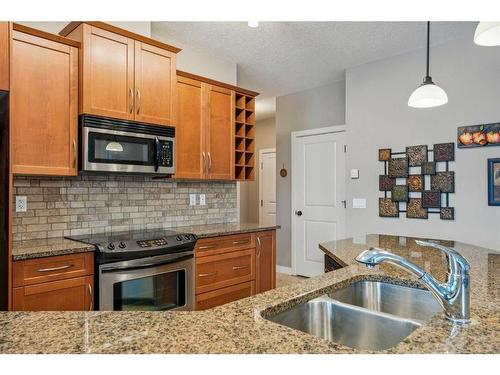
(298, 213)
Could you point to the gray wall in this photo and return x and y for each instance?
(377, 116)
(316, 108)
(265, 137)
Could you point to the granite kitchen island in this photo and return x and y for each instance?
(239, 327)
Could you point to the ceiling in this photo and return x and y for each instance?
(279, 58)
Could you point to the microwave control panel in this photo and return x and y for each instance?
(166, 153)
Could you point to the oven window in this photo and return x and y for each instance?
(118, 149)
(159, 292)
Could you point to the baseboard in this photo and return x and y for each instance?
(285, 270)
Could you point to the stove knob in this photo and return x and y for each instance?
(122, 245)
(111, 246)
(178, 238)
(186, 237)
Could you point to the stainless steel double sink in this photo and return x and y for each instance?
(367, 315)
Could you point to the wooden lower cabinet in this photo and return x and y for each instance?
(58, 283)
(224, 295)
(232, 267)
(65, 295)
(265, 260)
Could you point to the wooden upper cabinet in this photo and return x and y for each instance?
(265, 260)
(107, 74)
(219, 132)
(4, 55)
(123, 76)
(43, 105)
(154, 84)
(190, 135)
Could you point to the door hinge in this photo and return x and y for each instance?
(261, 203)
(261, 165)
(345, 148)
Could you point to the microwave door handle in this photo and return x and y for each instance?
(157, 153)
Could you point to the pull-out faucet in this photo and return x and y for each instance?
(453, 296)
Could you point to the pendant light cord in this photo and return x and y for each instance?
(428, 43)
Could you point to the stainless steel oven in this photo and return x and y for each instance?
(110, 145)
(164, 282)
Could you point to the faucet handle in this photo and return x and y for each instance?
(455, 258)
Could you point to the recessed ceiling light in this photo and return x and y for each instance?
(253, 24)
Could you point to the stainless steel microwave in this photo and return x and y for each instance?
(120, 146)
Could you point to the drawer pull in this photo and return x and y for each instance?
(206, 247)
(240, 267)
(207, 274)
(240, 242)
(55, 268)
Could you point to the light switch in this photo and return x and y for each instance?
(202, 200)
(192, 199)
(354, 173)
(359, 203)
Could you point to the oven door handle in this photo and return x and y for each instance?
(157, 153)
(145, 265)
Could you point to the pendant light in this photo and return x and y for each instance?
(487, 34)
(428, 94)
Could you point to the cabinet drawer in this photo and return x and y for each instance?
(224, 295)
(218, 271)
(35, 271)
(218, 245)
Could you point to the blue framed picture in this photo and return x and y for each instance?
(494, 182)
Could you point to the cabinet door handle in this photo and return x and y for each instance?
(207, 274)
(240, 242)
(204, 162)
(91, 305)
(131, 100)
(55, 268)
(139, 101)
(209, 162)
(206, 247)
(75, 155)
(239, 267)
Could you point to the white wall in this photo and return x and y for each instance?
(316, 108)
(377, 116)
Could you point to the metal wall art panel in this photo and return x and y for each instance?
(406, 188)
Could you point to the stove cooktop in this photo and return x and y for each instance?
(137, 244)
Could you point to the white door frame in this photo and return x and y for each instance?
(294, 136)
(261, 152)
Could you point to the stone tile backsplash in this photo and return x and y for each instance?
(95, 204)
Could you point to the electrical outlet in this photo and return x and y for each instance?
(192, 199)
(202, 200)
(21, 204)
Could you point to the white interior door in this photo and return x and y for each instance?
(267, 187)
(318, 207)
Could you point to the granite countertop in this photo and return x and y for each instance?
(30, 249)
(238, 327)
(224, 229)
